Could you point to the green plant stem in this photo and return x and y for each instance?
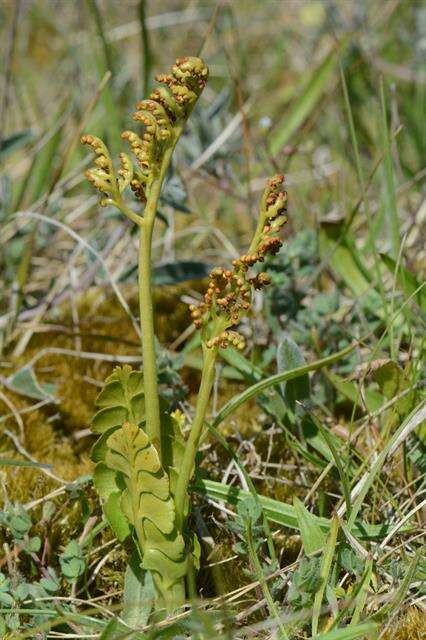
(127, 211)
(177, 596)
(262, 581)
(167, 601)
(257, 234)
(185, 473)
(152, 405)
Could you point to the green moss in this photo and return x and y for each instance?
(410, 626)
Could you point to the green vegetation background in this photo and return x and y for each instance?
(332, 94)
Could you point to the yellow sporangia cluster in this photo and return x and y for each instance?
(163, 115)
(229, 292)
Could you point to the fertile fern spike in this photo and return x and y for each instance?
(163, 115)
(103, 176)
(229, 292)
(227, 300)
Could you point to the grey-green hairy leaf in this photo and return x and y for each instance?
(25, 383)
(139, 594)
(313, 538)
(289, 356)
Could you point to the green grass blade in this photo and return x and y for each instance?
(326, 562)
(343, 257)
(99, 22)
(105, 63)
(14, 142)
(416, 417)
(336, 458)
(243, 365)
(313, 538)
(350, 633)
(406, 280)
(363, 186)
(38, 178)
(10, 462)
(361, 596)
(147, 57)
(257, 388)
(389, 191)
(305, 103)
(280, 512)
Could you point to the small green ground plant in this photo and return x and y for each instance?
(146, 455)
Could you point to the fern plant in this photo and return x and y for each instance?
(145, 458)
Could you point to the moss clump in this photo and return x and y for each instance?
(411, 626)
(46, 445)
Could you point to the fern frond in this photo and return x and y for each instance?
(135, 488)
(148, 505)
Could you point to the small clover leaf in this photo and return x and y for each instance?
(5, 597)
(32, 545)
(48, 511)
(22, 591)
(51, 583)
(17, 520)
(72, 561)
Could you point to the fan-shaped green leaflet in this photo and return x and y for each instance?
(148, 505)
(121, 403)
(121, 399)
(172, 444)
